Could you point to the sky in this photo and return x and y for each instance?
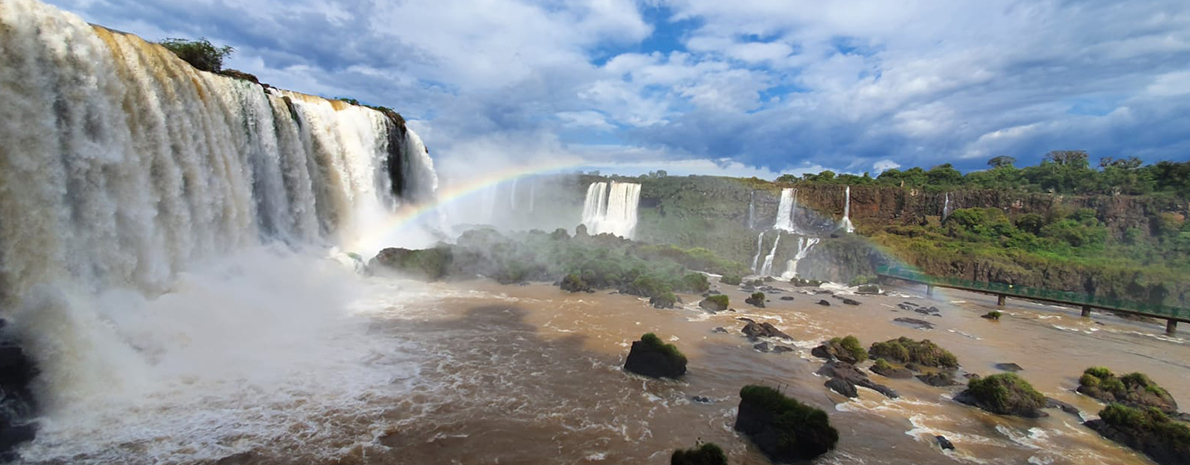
(746, 88)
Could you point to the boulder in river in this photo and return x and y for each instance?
(719, 329)
(944, 443)
(842, 386)
(1004, 394)
(848, 373)
(1149, 431)
(704, 454)
(664, 300)
(916, 323)
(938, 379)
(868, 289)
(850, 301)
(847, 349)
(17, 405)
(764, 415)
(787, 298)
(756, 330)
(887, 370)
(824, 303)
(911, 353)
(767, 348)
(1133, 390)
(1009, 367)
(756, 299)
(653, 358)
(428, 264)
(715, 303)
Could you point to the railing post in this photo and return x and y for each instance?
(1000, 300)
(1086, 311)
(1171, 327)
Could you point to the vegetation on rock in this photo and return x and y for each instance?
(783, 428)
(1149, 430)
(199, 53)
(731, 279)
(706, 454)
(905, 350)
(666, 300)
(1005, 394)
(756, 299)
(852, 345)
(1133, 390)
(429, 264)
(651, 357)
(715, 303)
(992, 315)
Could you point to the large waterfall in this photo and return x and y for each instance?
(756, 258)
(611, 208)
(767, 269)
(803, 249)
(784, 220)
(152, 215)
(846, 223)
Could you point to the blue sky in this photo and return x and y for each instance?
(707, 86)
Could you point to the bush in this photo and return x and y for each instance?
(852, 345)
(707, 454)
(992, 315)
(666, 300)
(881, 365)
(720, 300)
(1005, 393)
(891, 350)
(731, 279)
(695, 282)
(199, 53)
(758, 296)
(782, 427)
(922, 352)
(670, 349)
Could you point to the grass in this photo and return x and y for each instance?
(706, 454)
(720, 299)
(852, 345)
(653, 341)
(907, 350)
(1150, 421)
(1000, 390)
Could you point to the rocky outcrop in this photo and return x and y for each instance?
(1133, 390)
(705, 454)
(756, 330)
(1004, 394)
(1009, 367)
(944, 443)
(849, 375)
(17, 405)
(767, 348)
(885, 369)
(1164, 440)
(714, 303)
(653, 358)
(763, 417)
(938, 379)
(846, 349)
(428, 264)
(755, 300)
(915, 323)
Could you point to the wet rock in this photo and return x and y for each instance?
(756, 330)
(1009, 367)
(824, 303)
(763, 415)
(1133, 390)
(850, 301)
(938, 379)
(428, 265)
(716, 303)
(701, 399)
(843, 387)
(1004, 394)
(767, 348)
(907, 306)
(714, 292)
(1051, 402)
(787, 298)
(666, 300)
(944, 443)
(868, 289)
(782, 349)
(824, 291)
(847, 372)
(755, 300)
(719, 329)
(1145, 431)
(916, 323)
(17, 406)
(929, 311)
(889, 371)
(834, 350)
(653, 358)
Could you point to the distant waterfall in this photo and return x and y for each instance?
(767, 270)
(946, 207)
(803, 248)
(512, 205)
(784, 220)
(846, 223)
(611, 208)
(532, 193)
(751, 209)
(756, 258)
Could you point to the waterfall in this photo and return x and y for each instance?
(767, 269)
(532, 193)
(126, 178)
(512, 195)
(784, 220)
(611, 208)
(846, 223)
(946, 207)
(756, 258)
(803, 249)
(751, 209)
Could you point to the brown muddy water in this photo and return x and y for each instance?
(531, 374)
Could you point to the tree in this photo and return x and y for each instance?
(1001, 161)
(944, 175)
(786, 178)
(1068, 158)
(199, 53)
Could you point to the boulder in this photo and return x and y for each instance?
(1051, 402)
(428, 264)
(763, 418)
(701, 399)
(907, 306)
(756, 330)
(1009, 367)
(719, 329)
(665, 300)
(787, 298)
(938, 379)
(715, 303)
(824, 303)
(847, 349)
(913, 353)
(868, 289)
(1004, 394)
(17, 406)
(1133, 390)
(1149, 431)
(573, 283)
(850, 301)
(847, 372)
(756, 299)
(704, 454)
(843, 387)
(883, 368)
(914, 322)
(766, 348)
(653, 358)
(944, 443)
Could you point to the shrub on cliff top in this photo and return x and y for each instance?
(199, 53)
(706, 454)
(670, 349)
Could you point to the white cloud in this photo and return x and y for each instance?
(884, 165)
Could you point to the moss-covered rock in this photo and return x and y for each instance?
(905, 350)
(799, 282)
(887, 370)
(427, 264)
(1004, 394)
(715, 303)
(992, 315)
(782, 428)
(847, 349)
(1150, 431)
(731, 279)
(706, 454)
(573, 283)
(755, 300)
(666, 300)
(1132, 390)
(651, 357)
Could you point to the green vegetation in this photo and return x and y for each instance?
(783, 427)
(430, 264)
(1133, 389)
(719, 300)
(852, 345)
(665, 300)
(905, 350)
(671, 350)
(881, 365)
(1005, 393)
(199, 53)
(731, 279)
(1147, 421)
(706, 454)
(758, 296)
(993, 315)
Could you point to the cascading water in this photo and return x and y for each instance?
(751, 209)
(946, 207)
(784, 220)
(532, 193)
(756, 258)
(512, 204)
(846, 223)
(803, 249)
(767, 269)
(154, 248)
(611, 208)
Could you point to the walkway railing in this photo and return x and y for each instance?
(1072, 298)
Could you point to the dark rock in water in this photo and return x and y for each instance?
(847, 372)
(719, 329)
(850, 301)
(824, 303)
(938, 379)
(930, 311)
(714, 292)
(716, 303)
(824, 291)
(787, 297)
(763, 417)
(650, 357)
(889, 371)
(919, 324)
(868, 289)
(782, 349)
(428, 265)
(913, 367)
(1143, 431)
(666, 300)
(763, 347)
(701, 399)
(1004, 394)
(1051, 402)
(971, 376)
(704, 454)
(756, 330)
(834, 350)
(573, 283)
(17, 405)
(1009, 367)
(756, 300)
(907, 305)
(944, 443)
(706, 294)
(842, 386)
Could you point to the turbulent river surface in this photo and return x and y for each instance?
(477, 372)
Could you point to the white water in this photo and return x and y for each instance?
(784, 220)
(767, 270)
(751, 209)
(756, 258)
(163, 246)
(803, 249)
(946, 207)
(532, 193)
(611, 208)
(846, 223)
(512, 203)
